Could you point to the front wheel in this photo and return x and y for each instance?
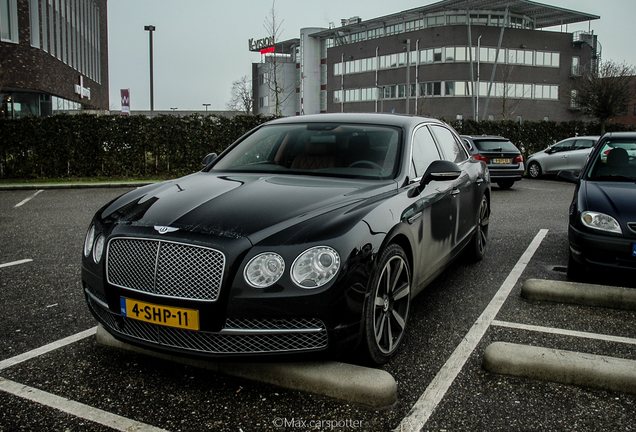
(387, 305)
(534, 170)
(576, 271)
(480, 238)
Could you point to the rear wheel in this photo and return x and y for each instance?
(505, 184)
(534, 170)
(387, 305)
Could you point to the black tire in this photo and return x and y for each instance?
(534, 170)
(576, 271)
(387, 305)
(477, 247)
(505, 184)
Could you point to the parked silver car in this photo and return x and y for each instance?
(569, 154)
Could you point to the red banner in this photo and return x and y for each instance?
(267, 50)
(125, 101)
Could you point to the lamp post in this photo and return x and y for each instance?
(408, 72)
(150, 29)
(206, 107)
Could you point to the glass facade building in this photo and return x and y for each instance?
(55, 56)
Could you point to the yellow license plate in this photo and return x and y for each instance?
(501, 161)
(158, 314)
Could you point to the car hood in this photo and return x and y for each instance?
(617, 199)
(237, 206)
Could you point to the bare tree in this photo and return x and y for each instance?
(512, 95)
(241, 97)
(604, 92)
(275, 77)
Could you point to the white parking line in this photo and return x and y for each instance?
(565, 332)
(26, 200)
(426, 404)
(12, 263)
(76, 409)
(46, 348)
(68, 406)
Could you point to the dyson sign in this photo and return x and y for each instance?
(260, 44)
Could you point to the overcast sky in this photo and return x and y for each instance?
(201, 46)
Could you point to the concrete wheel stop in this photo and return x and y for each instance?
(565, 367)
(373, 388)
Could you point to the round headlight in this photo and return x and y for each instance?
(98, 250)
(315, 267)
(88, 242)
(264, 270)
(600, 221)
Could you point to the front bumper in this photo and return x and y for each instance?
(602, 250)
(238, 338)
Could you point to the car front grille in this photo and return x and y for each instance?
(632, 226)
(165, 268)
(251, 336)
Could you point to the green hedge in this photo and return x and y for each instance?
(169, 146)
(114, 146)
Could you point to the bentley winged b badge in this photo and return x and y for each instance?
(165, 229)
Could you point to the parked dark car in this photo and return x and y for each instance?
(569, 154)
(503, 158)
(306, 238)
(602, 228)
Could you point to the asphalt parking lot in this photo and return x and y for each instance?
(76, 384)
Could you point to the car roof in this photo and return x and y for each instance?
(485, 137)
(620, 135)
(405, 121)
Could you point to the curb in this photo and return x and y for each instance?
(73, 186)
(566, 367)
(579, 293)
(374, 388)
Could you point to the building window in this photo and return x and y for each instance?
(435, 21)
(34, 20)
(375, 33)
(9, 21)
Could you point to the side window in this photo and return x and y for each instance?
(583, 144)
(424, 152)
(452, 150)
(565, 146)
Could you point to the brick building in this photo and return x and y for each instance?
(53, 56)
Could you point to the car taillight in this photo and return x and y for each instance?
(519, 159)
(480, 158)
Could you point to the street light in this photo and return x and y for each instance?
(150, 29)
(408, 72)
(206, 107)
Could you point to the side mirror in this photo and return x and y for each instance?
(211, 157)
(440, 170)
(568, 176)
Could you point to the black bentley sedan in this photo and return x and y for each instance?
(308, 237)
(602, 228)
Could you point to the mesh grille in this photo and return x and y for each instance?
(307, 334)
(165, 268)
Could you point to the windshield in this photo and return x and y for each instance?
(329, 149)
(616, 161)
(495, 145)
